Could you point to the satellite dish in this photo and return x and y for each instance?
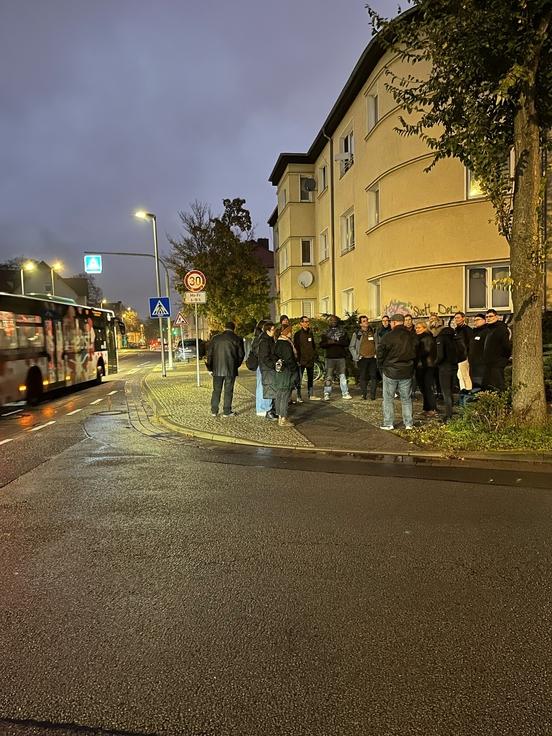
(305, 279)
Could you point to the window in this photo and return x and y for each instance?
(347, 231)
(282, 199)
(283, 259)
(306, 252)
(323, 248)
(8, 335)
(473, 187)
(347, 152)
(322, 178)
(275, 237)
(373, 206)
(30, 332)
(374, 298)
(481, 292)
(348, 301)
(307, 307)
(306, 185)
(372, 110)
(325, 305)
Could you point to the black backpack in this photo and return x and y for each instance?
(252, 360)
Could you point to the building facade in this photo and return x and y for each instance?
(360, 225)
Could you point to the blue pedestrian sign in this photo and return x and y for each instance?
(160, 306)
(93, 263)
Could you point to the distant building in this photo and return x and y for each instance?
(44, 280)
(360, 225)
(262, 252)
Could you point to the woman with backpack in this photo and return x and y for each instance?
(263, 407)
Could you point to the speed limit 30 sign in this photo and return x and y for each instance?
(195, 281)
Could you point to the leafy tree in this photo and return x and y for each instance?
(488, 91)
(237, 283)
(132, 320)
(95, 294)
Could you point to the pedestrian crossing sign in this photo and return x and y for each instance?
(180, 320)
(93, 263)
(160, 306)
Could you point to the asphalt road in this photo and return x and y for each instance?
(152, 585)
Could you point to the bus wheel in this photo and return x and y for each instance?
(34, 387)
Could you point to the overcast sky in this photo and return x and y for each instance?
(111, 105)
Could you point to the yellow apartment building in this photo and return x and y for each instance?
(360, 225)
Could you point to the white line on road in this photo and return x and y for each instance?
(112, 392)
(96, 402)
(41, 426)
(75, 411)
(4, 442)
(7, 414)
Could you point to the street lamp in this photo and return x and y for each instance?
(27, 266)
(142, 215)
(56, 267)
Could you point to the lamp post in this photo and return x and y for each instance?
(56, 267)
(27, 266)
(141, 215)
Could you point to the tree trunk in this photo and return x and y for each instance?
(527, 270)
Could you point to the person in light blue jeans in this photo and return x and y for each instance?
(262, 406)
(403, 387)
(396, 355)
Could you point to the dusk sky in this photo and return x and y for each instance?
(112, 105)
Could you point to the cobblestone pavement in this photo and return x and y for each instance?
(337, 424)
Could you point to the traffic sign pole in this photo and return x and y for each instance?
(197, 346)
(158, 282)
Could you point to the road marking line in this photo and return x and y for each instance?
(95, 402)
(112, 392)
(3, 442)
(41, 426)
(75, 411)
(7, 414)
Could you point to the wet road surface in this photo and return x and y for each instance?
(154, 585)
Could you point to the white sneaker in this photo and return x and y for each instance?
(326, 397)
(408, 426)
(347, 396)
(299, 400)
(315, 398)
(387, 429)
(261, 413)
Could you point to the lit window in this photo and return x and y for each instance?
(483, 292)
(473, 187)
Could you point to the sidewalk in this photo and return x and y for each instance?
(350, 427)
(337, 425)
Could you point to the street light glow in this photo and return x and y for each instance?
(143, 215)
(29, 266)
(58, 266)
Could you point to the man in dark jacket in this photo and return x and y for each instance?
(476, 353)
(306, 356)
(426, 354)
(225, 354)
(497, 352)
(396, 355)
(335, 342)
(462, 335)
(447, 365)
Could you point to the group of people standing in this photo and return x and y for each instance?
(440, 357)
(436, 357)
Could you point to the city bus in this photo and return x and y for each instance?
(48, 343)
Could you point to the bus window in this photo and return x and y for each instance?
(8, 336)
(30, 333)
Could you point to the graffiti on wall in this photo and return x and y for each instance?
(397, 306)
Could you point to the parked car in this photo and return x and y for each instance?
(187, 350)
